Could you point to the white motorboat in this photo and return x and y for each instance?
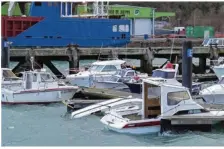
(214, 94)
(120, 105)
(165, 75)
(159, 101)
(9, 78)
(116, 80)
(100, 70)
(37, 87)
(213, 41)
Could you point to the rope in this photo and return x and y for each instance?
(172, 49)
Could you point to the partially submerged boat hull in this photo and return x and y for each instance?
(136, 130)
(116, 123)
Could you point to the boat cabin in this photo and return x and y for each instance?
(167, 100)
(166, 73)
(213, 41)
(106, 66)
(38, 78)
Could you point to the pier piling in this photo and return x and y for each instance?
(202, 65)
(187, 64)
(73, 59)
(146, 61)
(5, 53)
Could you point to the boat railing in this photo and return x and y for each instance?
(99, 9)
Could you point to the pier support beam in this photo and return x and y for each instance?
(73, 59)
(146, 61)
(202, 64)
(214, 55)
(113, 54)
(19, 67)
(51, 66)
(5, 54)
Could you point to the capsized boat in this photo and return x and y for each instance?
(37, 87)
(214, 94)
(159, 100)
(99, 70)
(121, 105)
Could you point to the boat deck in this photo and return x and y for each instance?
(107, 93)
(133, 117)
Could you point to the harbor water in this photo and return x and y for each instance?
(48, 125)
(40, 125)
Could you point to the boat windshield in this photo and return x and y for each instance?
(8, 74)
(221, 81)
(163, 74)
(114, 79)
(173, 98)
(96, 67)
(46, 77)
(120, 72)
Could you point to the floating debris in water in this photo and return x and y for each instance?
(11, 127)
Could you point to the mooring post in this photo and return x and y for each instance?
(73, 59)
(5, 53)
(187, 65)
(146, 61)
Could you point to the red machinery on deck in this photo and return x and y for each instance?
(12, 26)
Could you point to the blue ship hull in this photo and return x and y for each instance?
(57, 31)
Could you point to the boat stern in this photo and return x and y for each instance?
(113, 121)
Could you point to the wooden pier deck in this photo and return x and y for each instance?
(193, 120)
(74, 54)
(94, 52)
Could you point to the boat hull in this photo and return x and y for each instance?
(111, 85)
(136, 130)
(118, 123)
(135, 87)
(36, 97)
(87, 81)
